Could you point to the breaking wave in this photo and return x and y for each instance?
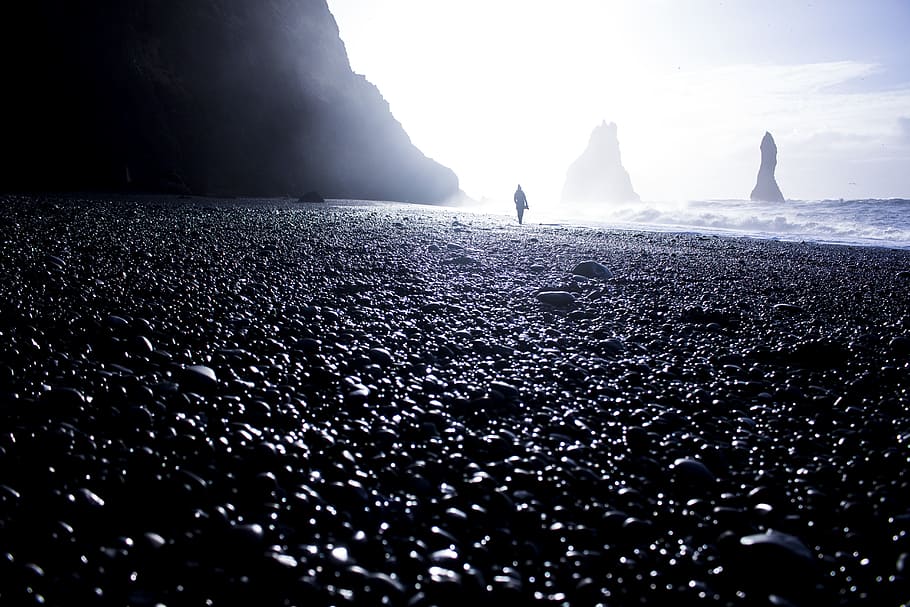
(884, 223)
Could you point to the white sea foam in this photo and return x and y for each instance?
(884, 223)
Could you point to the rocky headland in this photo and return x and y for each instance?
(223, 97)
(597, 176)
(263, 402)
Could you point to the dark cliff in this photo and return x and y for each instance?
(766, 187)
(211, 97)
(598, 175)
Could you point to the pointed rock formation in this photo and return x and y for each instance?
(766, 186)
(223, 97)
(598, 174)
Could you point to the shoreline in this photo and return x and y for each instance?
(504, 212)
(274, 401)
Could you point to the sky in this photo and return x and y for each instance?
(508, 91)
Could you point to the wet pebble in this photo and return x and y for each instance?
(692, 472)
(381, 356)
(789, 308)
(558, 299)
(592, 269)
(63, 401)
(198, 378)
(900, 345)
(776, 561)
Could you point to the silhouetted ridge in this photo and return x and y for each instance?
(598, 174)
(766, 187)
(210, 96)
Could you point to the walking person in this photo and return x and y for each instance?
(521, 203)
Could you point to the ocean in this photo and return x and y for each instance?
(881, 223)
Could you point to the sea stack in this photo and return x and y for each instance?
(598, 174)
(766, 187)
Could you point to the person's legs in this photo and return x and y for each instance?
(521, 214)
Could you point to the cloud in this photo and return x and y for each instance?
(784, 79)
(696, 133)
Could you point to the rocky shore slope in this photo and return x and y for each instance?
(271, 403)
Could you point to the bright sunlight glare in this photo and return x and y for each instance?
(509, 91)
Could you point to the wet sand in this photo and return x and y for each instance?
(275, 403)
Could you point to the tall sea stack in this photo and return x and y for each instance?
(766, 187)
(598, 174)
(226, 97)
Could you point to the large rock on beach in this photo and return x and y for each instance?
(592, 269)
(198, 378)
(776, 562)
(211, 97)
(559, 299)
(766, 187)
(598, 175)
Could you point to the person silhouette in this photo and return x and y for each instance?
(521, 203)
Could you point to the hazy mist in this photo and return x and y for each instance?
(509, 91)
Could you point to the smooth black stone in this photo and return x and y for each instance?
(198, 378)
(592, 269)
(900, 345)
(777, 561)
(789, 308)
(692, 472)
(63, 401)
(558, 299)
(507, 391)
(381, 356)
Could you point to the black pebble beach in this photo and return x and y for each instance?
(231, 402)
